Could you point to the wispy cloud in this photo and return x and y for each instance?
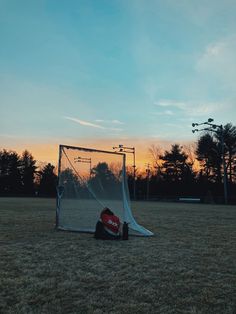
(218, 62)
(170, 103)
(85, 123)
(162, 113)
(15, 136)
(115, 129)
(93, 125)
(109, 121)
(168, 112)
(191, 108)
(117, 122)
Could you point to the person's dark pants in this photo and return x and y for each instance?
(101, 233)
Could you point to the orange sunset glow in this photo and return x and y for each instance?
(48, 151)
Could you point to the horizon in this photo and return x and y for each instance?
(49, 152)
(99, 74)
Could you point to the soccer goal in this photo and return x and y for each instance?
(88, 181)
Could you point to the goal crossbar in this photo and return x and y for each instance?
(89, 180)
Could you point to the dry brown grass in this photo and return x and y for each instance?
(189, 266)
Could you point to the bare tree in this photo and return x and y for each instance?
(155, 152)
(190, 150)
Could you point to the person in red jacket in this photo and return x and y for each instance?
(108, 227)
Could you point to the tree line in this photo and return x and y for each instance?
(19, 175)
(178, 172)
(192, 172)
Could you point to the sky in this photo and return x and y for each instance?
(98, 73)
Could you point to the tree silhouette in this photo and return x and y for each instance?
(229, 135)
(48, 181)
(102, 171)
(208, 153)
(175, 166)
(28, 171)
(70, 182)
(10, 175)
(155, 155)
(172, 173)
(103, 181)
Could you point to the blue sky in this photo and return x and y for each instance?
(75, 71)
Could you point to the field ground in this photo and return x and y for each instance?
(189, 266)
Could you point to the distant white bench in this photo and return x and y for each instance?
(189, 199)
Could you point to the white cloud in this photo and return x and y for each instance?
(218, 63)
(115, 129)
(109, 121)
(85, 123)
(93, 125)
(117, 122)
(165, 112)
(170, 103)
(192, 108)
(168, 112)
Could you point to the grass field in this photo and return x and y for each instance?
(189, 266)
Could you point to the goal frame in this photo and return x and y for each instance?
(125, 190)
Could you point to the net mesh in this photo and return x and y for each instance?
(89, 181)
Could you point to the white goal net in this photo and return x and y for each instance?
(88, 181)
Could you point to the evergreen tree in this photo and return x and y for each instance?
(208, 153)
(28, 171)
(102, 179)
(229, 136)
(15, 181)
(3, 171)
(10, 176)
(48, 181)
(70, 182)
(103, 173)
(175, 167)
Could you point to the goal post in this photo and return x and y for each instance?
(88, 181)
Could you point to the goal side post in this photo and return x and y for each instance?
(89, 180)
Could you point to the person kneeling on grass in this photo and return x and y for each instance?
(108, 227)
